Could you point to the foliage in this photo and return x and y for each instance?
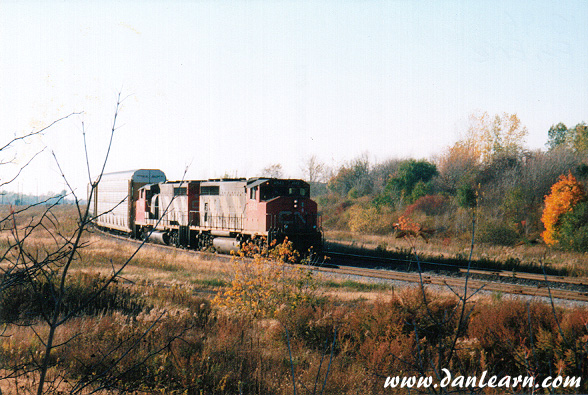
(499, 135)
(575, 138)
(580, 138)
(557, 135)
(573, 231)
(408, 183)
(262, 286)
(380, 173)
(565, 194)
(582, 170)
(410, 173)
(429, 205)
(371, 219)
(466, 196)
(420, 190)
(411, 230)
(352, 176)
(314, 170)
(508, 187)
(517, 205)
(284, 252)
(401, 333)
(459, 164)
(497, 233)
(489, 169)
(529, 338)
(499, 166)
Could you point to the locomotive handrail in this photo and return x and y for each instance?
(231, 222)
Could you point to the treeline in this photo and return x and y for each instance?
(20, 199)
(489, 168)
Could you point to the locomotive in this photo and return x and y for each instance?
(202, 214)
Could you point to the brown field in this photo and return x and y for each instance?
(177, 323)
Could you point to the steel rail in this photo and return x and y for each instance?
(488, 272)
(542, 290)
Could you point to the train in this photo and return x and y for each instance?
(213, 214)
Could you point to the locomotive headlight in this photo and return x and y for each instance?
(295, 203)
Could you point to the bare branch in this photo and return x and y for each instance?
(21, 169)
(40, 131)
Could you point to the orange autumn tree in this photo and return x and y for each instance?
(565, 194)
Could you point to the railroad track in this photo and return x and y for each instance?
(458, 284)
(547, 286)
(529, 276)
(582, 281)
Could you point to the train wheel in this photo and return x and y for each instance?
(174, 238)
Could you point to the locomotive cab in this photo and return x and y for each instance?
(283, 209)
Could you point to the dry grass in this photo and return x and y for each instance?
(150, 262)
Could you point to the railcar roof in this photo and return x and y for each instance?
(253, 182)
(132, 174)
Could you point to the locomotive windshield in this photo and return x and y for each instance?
(272, 190)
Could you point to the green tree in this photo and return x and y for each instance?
(557, 135)
(466, 196)
(411, 173)
(573, 232)
(580, 138)
(576, 138)
(408, 183)
(419, 190)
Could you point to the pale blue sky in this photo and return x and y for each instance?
(231, 87)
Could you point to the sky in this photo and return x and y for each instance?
(231, 87)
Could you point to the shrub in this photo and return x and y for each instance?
(497, 233)
(335, 213)
(466, 196)
(24, 303)
(507, 332)
(573, 231)
(429, 205)
(402, 334)
(261, 287)
(314, 324)
(420, 190)
(411, 181)
(371, 220)
(527, 338)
